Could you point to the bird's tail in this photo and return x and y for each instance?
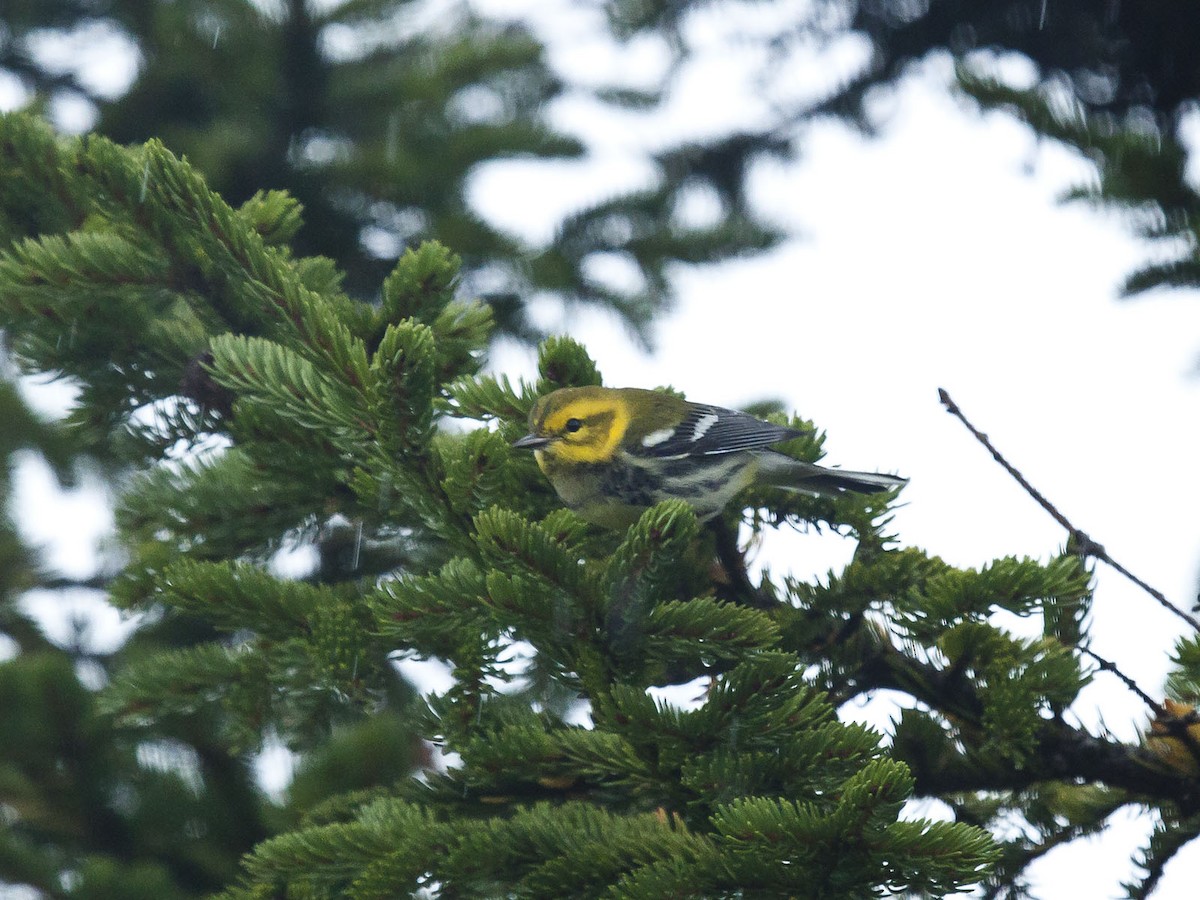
(795, 475)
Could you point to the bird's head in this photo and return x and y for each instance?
(578, 425)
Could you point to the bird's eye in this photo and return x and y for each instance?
(573, 425)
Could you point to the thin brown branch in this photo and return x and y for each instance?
(1085, 545)
(1107, 665)
(65, 583)
(1172, 724)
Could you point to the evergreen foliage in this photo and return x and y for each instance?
(379, 142)
(1116, 81)
(377, 116)
(253, 408)
(1141, 168)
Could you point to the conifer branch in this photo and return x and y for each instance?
(1166, 841)
(1084, 543)
(1174, 726)
(66, 583)
(733, 563)
(1060, 752)
(332, 410)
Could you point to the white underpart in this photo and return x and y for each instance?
(654, 438)
(702, 425)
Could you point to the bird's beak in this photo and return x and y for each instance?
(531, 442)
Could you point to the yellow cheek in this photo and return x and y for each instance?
(589, 449)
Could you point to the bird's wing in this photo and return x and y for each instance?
(708, 429)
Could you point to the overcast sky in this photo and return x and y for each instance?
(933, 256)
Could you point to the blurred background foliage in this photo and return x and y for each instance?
(376, 113)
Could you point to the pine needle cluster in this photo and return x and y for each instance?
(255, 412)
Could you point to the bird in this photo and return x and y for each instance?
(611, 453)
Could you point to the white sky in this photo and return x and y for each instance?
(933, 256)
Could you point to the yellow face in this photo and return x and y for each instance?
(579, 425)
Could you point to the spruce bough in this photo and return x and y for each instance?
(253, 406)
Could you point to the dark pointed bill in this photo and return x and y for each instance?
(531, 442)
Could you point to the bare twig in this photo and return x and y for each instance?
(1107, 665)
(1172, 724)
(1086, 546)
(64, 583)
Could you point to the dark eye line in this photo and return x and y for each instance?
(574, 425)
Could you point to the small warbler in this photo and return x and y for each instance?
(612, 452)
